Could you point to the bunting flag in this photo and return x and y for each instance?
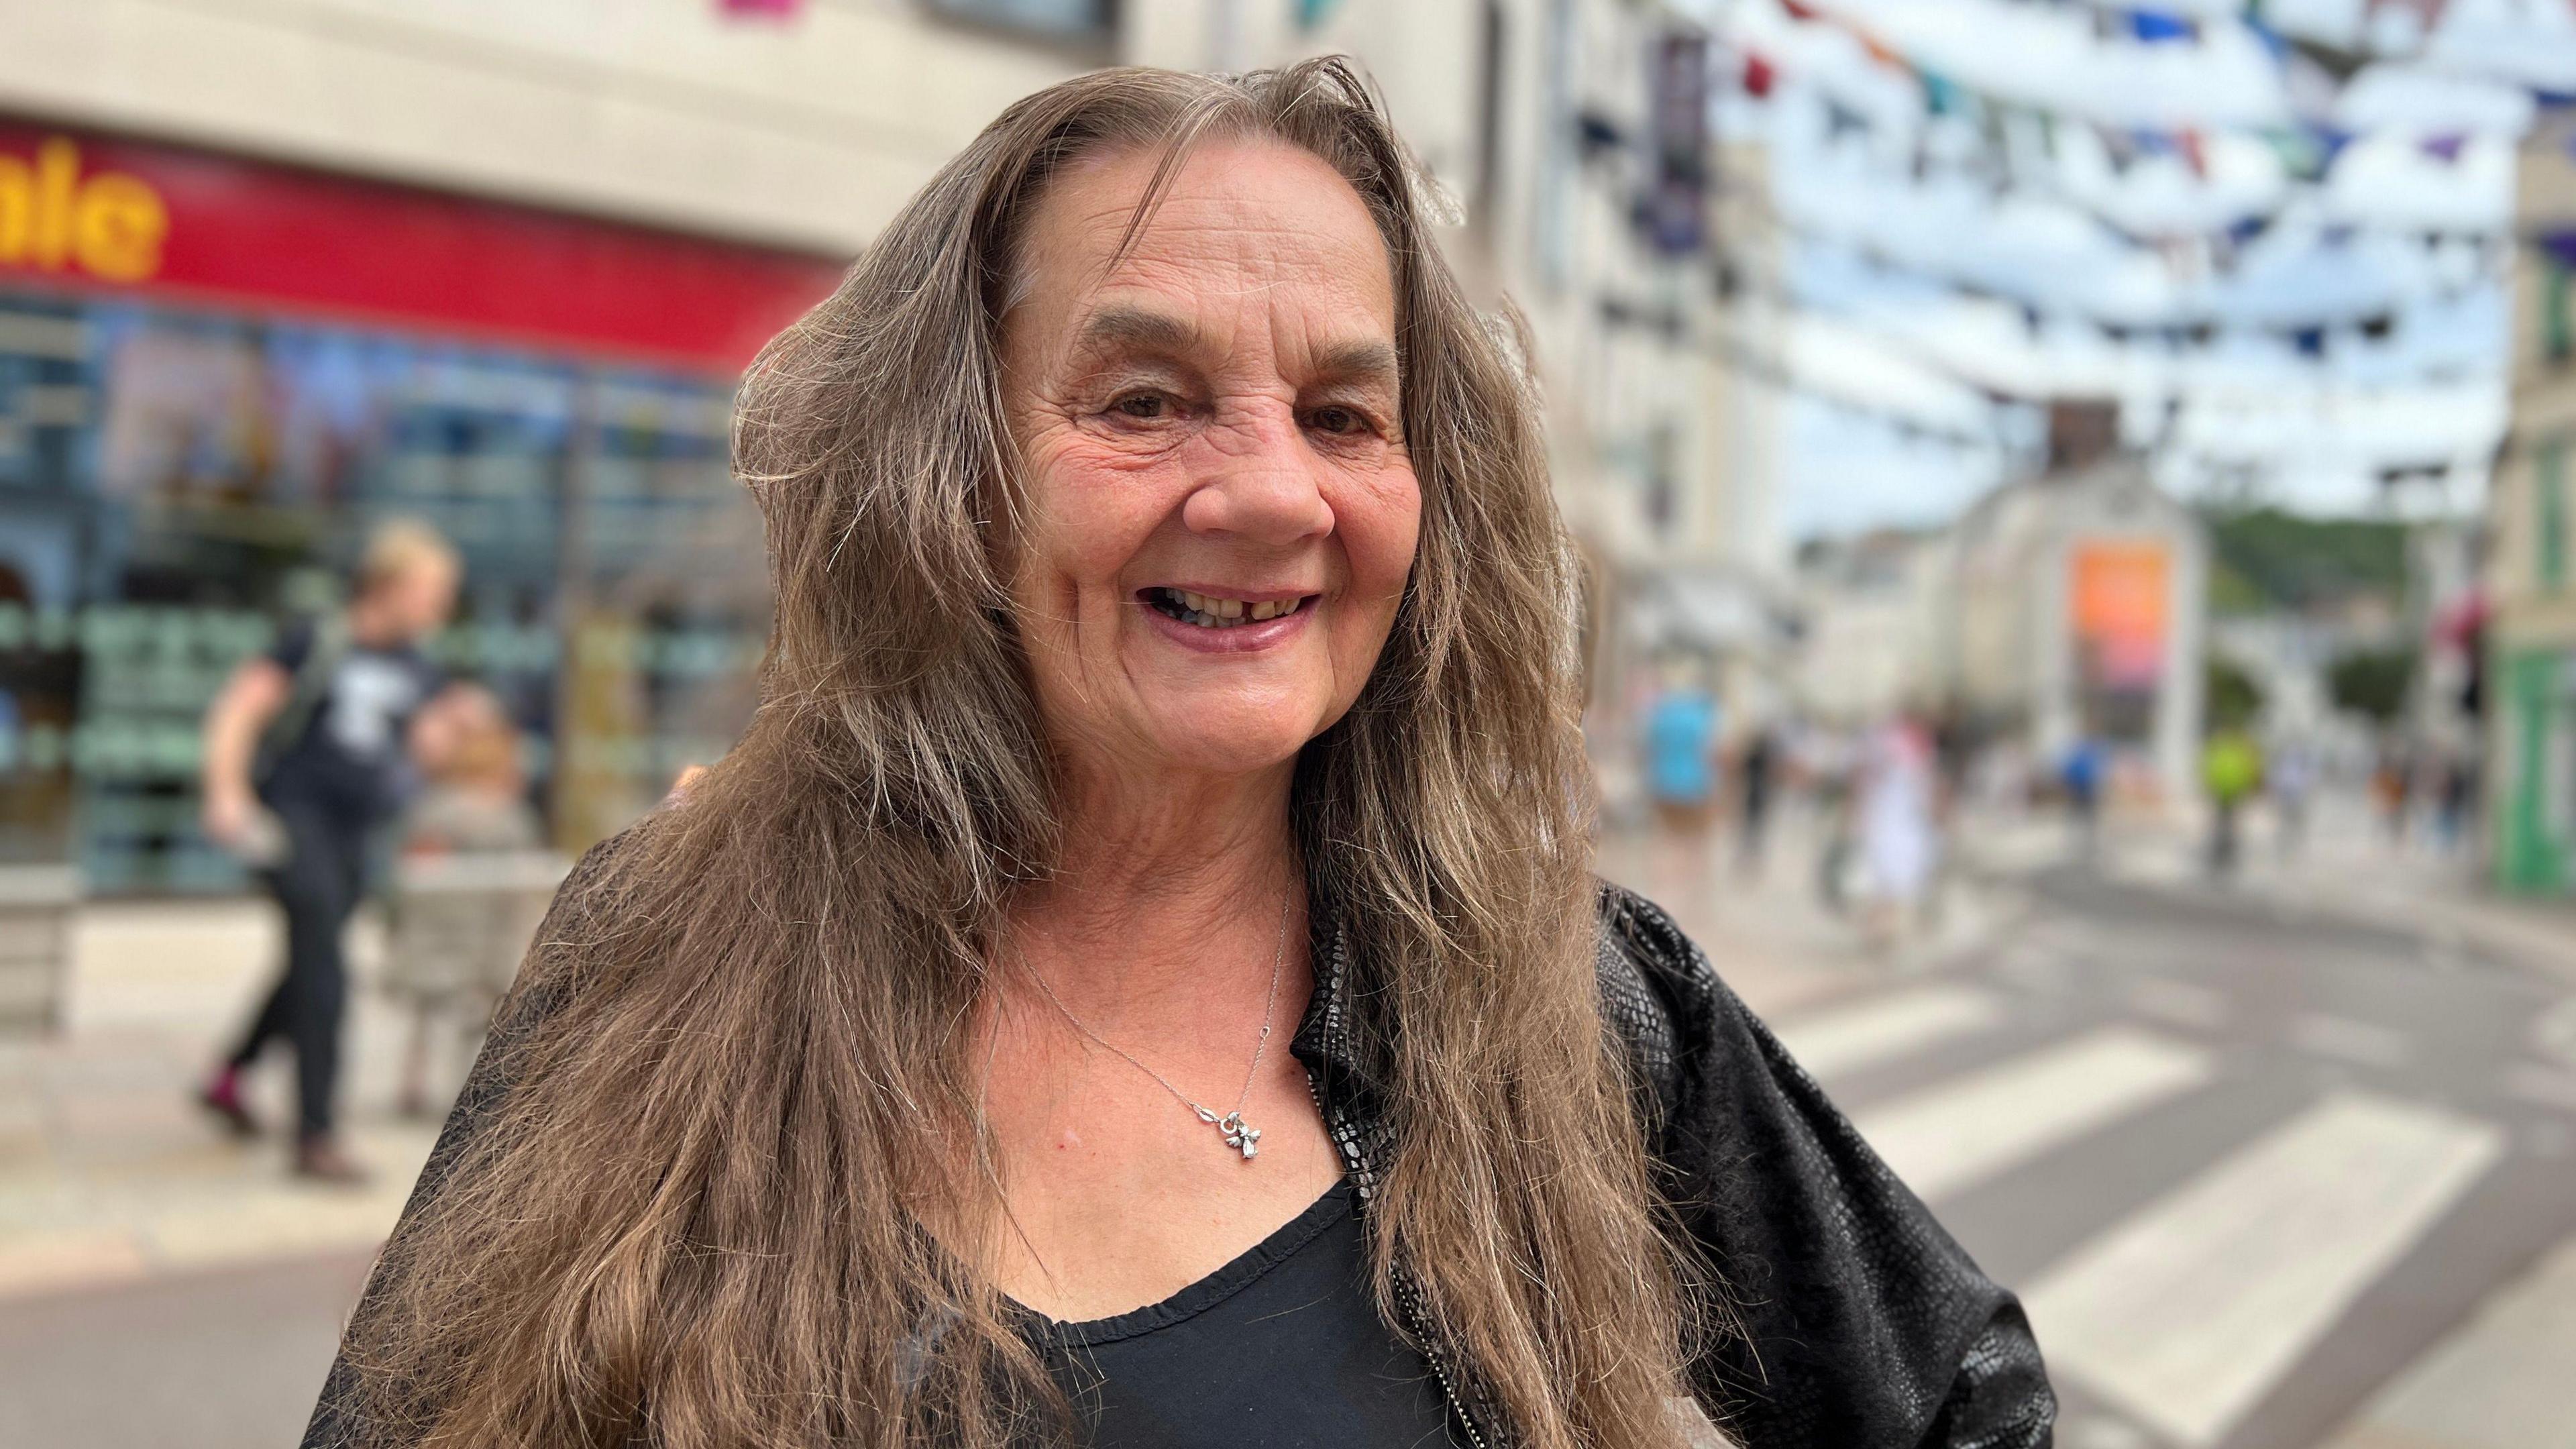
(761, 9)
(2559, 247)
(2192, 327)
(2017, 133)
(2155, 26)
(2188, 143)
(1758, 77)
(2307, 151)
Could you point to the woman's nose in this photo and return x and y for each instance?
(1263, 484)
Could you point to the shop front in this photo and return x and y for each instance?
(216, 375)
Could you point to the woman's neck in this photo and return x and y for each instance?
(1161, 879)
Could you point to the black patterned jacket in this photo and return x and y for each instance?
(1864, 1325)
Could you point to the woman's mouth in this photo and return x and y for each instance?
(1215, 611)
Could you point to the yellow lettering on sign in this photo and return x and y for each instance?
(17, 210)
(52, 218)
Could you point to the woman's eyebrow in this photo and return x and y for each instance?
(1362, 360)
(1128, 328)
(1134, 329)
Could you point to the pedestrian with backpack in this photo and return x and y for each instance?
(309, 751)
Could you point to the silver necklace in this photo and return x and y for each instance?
(1231, 1126)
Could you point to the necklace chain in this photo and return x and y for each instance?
(1231, 1125)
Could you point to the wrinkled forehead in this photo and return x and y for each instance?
(1235, 224)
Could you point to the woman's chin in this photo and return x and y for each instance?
(1221, 743)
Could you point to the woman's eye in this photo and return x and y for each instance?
(1339, 421)
(1143, 406)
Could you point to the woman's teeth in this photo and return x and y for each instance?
(1211, 612)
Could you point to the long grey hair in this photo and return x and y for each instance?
(734, 1082)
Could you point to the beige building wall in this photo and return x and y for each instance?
(1873, 608)
(2530, 688)
(2007, 628)
(805, 134)
(2529, 611)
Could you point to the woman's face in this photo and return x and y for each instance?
(1221, 514)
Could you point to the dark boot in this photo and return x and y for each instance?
(221, 1095)
(318, 1158)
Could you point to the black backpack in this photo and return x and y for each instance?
(312, 685)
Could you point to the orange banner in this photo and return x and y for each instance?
(2122, 602)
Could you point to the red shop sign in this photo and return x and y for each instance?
(95, 212)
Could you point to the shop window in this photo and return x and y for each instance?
(1069, 19)
(174, 484)
(2549, 513)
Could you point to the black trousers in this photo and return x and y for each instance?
(319, 885)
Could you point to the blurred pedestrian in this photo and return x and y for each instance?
(457, 935)
(2456, 804)
(2231, 770)
(308, 754)
(1899, 802)
(2082, 775)
(2392, 789)
(1829, 759)
(2290, 779)
(1757, 767)
(1681, 745)
(474, 794)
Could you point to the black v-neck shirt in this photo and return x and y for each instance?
(1283, 1347)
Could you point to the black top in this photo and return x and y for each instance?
(1855, 1319)
(350, 757)
(1283, 1346)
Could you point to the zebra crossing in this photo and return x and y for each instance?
(2185, 1313)
(1970, 1130)
(2214, 1308)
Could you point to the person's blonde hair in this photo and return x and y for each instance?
(482, 746)
(397, 547)
(740, 1076)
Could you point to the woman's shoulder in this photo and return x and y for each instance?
(1659, 993)
(1861, 1319)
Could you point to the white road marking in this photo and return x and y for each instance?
(2155, 865)
(2180, 1002)
(1970, 1129)
(2546, 1086)
(1837, 1041)
(2345, 1040)
(2095, 1431)
(2186, 1314)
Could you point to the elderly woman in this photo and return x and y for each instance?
(1139, 980)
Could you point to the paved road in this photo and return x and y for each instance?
(214, 1360)
(2244, 1168)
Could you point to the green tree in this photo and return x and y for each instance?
(2372, 682)
(2234, 699)
(2263, 559)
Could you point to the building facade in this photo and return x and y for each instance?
(2079, 608)
(2529, 688)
